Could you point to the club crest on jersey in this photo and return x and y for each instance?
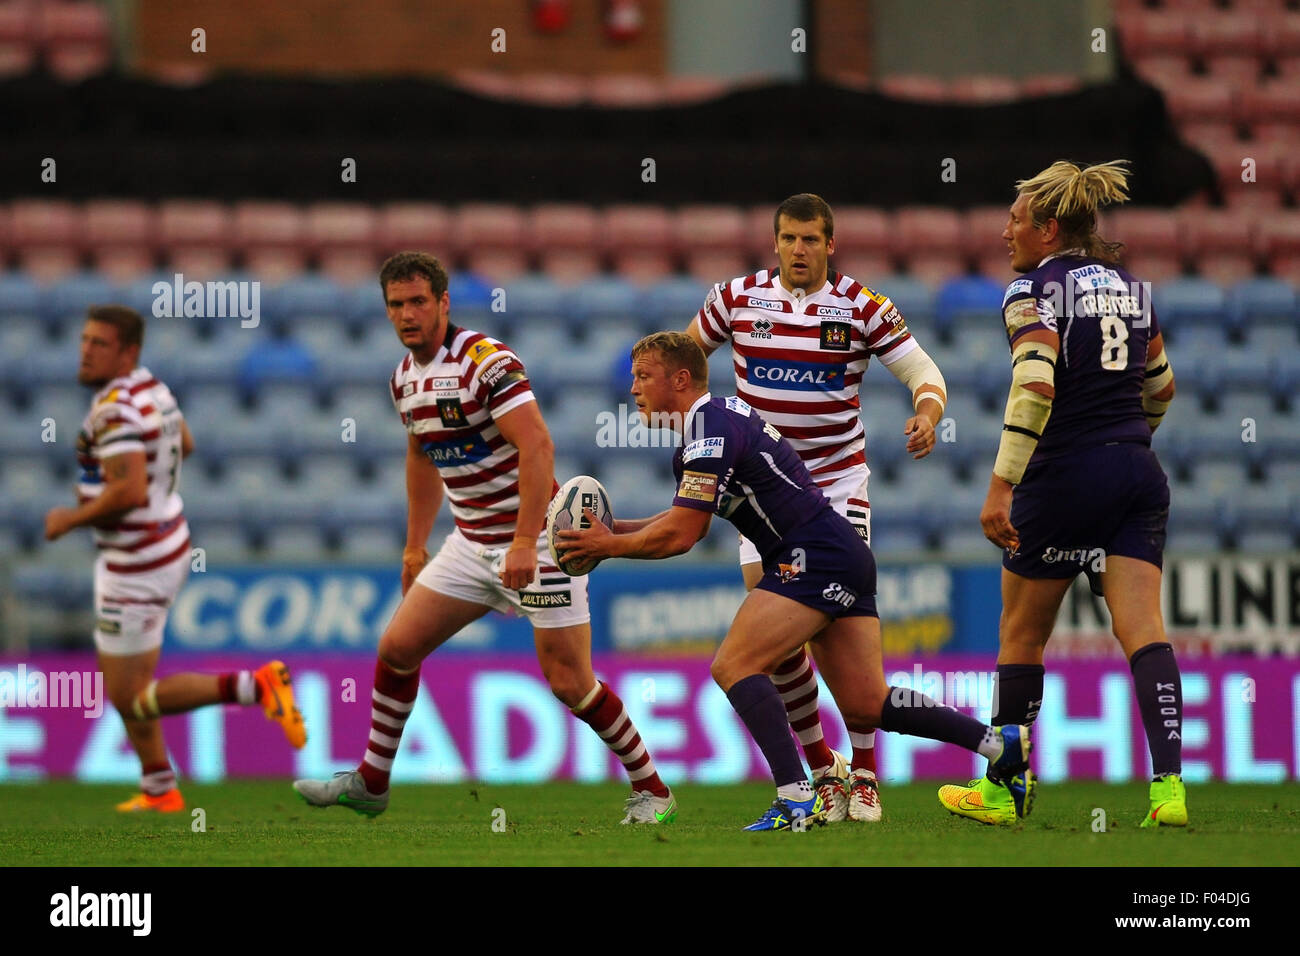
(798, 564)
(795, 376)
(452, 415)
(762, 328)
(835, 336)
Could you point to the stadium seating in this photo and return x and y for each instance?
(270, 406)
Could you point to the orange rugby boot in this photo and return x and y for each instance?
(169, 802)
(277, 699)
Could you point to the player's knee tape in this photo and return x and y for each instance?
(145, 704)
(1027, 411)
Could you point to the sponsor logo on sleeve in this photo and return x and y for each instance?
(698, 486)
(737, 404)
(836, 335)
(500, 373)
(1019, 287)
(480, 350)
(703, 448)
(1020, 313)
(894, 319)
(1045, 313)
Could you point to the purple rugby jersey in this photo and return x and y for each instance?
(738, 466)
(1105, 320)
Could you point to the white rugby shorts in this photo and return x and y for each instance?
(131, 609)
(470, 572)
(851, 486)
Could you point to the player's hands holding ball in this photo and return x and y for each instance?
(585, 546)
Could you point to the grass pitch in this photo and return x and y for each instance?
(261, 823)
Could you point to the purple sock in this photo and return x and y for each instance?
(1159, 689)
(1019, 694)
(910, 712)
(759, 705)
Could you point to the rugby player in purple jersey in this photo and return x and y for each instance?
(1075, 487)
(818, 582)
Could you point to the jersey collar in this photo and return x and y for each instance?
(1061, 255)
(690, 412)
(801, 295)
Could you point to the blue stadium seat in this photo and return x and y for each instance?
(362, 303)
(606, 298)
(21, 336)
(976, 299)
(139, 294)
(324, 337)
(914, 298)
(575, 421)
(19, 296)
(276, 360)
(68, 299)
(672, 302)
(1261, 300)
(537, 298)
(548, 356)
(307, 296)
(1186, 301)
(1274, 339)
(471, 297)
(367, 362)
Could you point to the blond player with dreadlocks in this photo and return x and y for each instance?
(1075, 487)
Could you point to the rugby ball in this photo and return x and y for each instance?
(565, 514)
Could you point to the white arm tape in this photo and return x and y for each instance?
(918, 372)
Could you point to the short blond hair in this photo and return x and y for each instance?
(677, 350)
(1072, 195)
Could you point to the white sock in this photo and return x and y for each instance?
(245, 689)
(799, 792)
(991, 745)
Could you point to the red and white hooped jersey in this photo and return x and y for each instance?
(800, 357)
(136, 412)
(451, 405)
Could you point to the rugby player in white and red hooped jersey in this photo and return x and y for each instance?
(801, 338)
(129, 450)
(475, 431)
